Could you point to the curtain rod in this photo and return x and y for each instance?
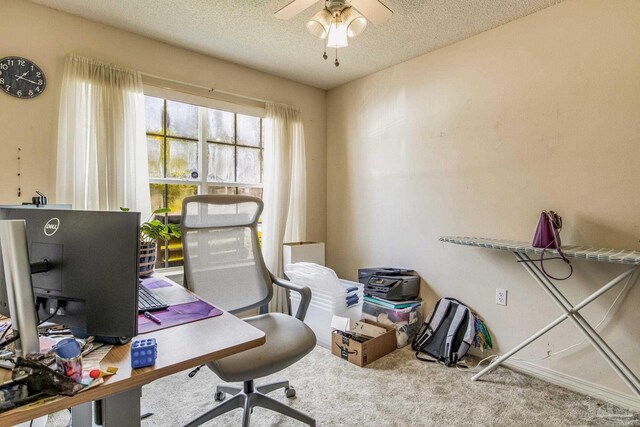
(205, 88)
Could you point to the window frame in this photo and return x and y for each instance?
(202, 141)
(202, 184)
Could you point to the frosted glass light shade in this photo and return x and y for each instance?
(318, 25)
(337, 35)
(354, 22)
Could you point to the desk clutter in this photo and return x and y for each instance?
(65, 366)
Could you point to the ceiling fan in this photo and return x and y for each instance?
(339, 20)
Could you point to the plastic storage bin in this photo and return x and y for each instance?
(407, 321)
(324, 305)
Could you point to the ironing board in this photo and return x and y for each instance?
(522, 250)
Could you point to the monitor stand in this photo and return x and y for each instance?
(17, 271)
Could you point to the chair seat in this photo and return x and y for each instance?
(287, 341)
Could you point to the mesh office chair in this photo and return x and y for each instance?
(224, 265)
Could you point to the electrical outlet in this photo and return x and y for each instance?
(501, 296)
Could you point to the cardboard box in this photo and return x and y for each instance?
(363, 353)
(303, 252)
(355, 327)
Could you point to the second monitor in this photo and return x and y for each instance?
(85, 266)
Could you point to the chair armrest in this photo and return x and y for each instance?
(304, 291)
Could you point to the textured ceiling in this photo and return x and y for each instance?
(246, 32)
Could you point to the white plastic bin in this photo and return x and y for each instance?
(322, 309)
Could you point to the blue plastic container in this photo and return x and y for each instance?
(144, 353)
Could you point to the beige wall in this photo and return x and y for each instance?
(46, 36)
(476, 139)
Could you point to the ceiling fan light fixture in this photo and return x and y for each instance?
(337, 35)
(318, 25)
(339, 20)
(354, 21)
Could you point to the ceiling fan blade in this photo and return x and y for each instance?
(294, 8)
(374, 10)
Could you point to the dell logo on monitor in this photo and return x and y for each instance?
(51, 226)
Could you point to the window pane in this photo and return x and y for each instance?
(182, 119)
(222, 162)
(173, 257)
(177, 192)
(213, 189)
(155, 153)
(248, 130)
(220, 126)
(170, 253)
(249, 165)
(182, 159)
(153, 112)
(157, 196)
(251, 191)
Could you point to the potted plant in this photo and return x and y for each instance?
(150, 232)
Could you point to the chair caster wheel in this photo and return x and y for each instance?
(220, 396)
(290, 392)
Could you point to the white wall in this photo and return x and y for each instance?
(46, 36)
(475, 139)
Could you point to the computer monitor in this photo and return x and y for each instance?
(4, 297)
(92, 263)
(64, 206)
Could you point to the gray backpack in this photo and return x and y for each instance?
(448, 333)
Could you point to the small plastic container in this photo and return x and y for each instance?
(144, 353)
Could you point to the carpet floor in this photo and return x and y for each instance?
(396, 390)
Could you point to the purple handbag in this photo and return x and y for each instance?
(548, 232)
(548, 237)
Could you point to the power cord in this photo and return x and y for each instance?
(16, 335)
(195, 371)
(469, 369)
(50, 317)
(554, 353)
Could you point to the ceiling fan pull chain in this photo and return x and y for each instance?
(337, 63)
(324, 55)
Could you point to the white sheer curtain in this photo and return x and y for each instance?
(102, 155)
(285, 212)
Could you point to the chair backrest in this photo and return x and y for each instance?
(222, 257)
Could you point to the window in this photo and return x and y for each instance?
(198, 150)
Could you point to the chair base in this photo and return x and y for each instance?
(248, 398)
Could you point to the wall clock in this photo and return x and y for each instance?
(21, 78)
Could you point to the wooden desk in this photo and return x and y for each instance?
(179, 348)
